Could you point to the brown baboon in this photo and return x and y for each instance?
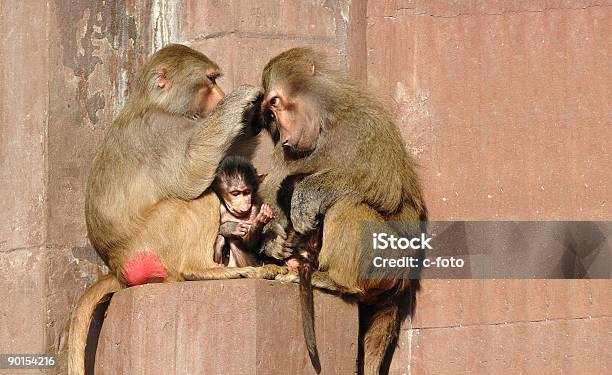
(353, 168)
(242, 215)
(237, 183)
(149, 212)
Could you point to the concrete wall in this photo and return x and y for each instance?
(94, 50)
(66, 68)
(177, 337)
(505, 105)
(24, 108)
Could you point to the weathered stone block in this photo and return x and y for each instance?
(574, 346)
(449, 303)
(223, 327)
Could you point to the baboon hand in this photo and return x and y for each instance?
(234, 229)
(295, 241)
(275, 245)
(239, 106)
(244, 96)
(304, 220)
(265, 214)
(242, 230)
(277, 248)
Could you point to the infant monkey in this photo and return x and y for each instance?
(236, 183)
(242, 216)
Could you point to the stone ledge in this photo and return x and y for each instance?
(223, 327)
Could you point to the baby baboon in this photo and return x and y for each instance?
(236, 183)
(148, 212)
(354, 168)
(242, 216)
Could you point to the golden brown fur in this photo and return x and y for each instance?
(148, 189)
(356, 169)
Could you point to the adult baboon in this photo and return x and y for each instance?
(353, 168)
(148, 211)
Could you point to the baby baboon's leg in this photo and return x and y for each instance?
(219, 245)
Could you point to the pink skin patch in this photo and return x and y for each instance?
(293, 264)
(144, 268)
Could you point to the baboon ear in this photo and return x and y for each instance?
(161, 77)
(261, 177)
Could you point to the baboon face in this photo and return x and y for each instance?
(296, 116)
(181, 81)
(207, 96)
(235, 183)
(198, 91)
(236, 195)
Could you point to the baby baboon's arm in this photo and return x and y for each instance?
(264, 216)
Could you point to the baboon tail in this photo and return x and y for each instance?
(307, 307)
(81, 318)
(379, 330)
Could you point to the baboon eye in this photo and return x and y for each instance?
(212, 79)
(275, 101)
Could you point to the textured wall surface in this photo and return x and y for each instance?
(94, 50)
(24, 105)
(201, 331)
(505, 105)
(66, 68)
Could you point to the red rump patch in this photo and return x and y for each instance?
(144, 268)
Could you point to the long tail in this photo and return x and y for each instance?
(380, 326)
(307, 307)
(81, 318)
